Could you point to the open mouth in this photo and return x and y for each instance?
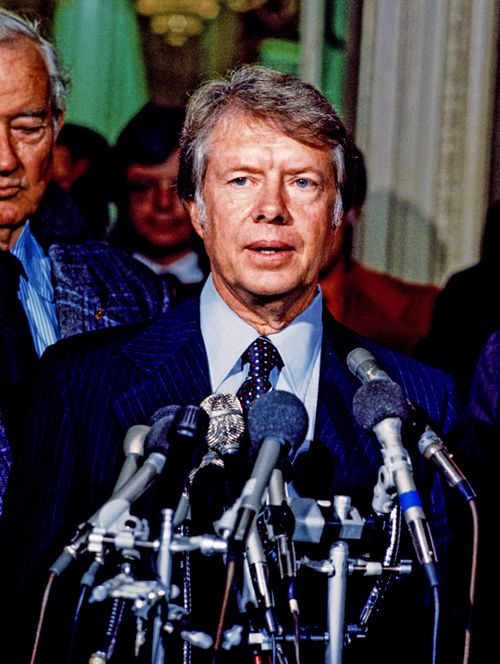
(270, 248)
(267, 250)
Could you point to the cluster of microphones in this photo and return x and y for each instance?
(186, 447)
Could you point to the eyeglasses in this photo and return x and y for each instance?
(145, 185)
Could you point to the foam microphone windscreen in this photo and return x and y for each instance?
(278, 413)
(378, 400)
(161, 423)
(164, 411)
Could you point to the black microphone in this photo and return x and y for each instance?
(276, 421)
(363, 365)
(280, 517)
(186, 444)
(259, 573)
(210, 486)
(380, 406)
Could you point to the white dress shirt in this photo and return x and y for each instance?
(187, 269)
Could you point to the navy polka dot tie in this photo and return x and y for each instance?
(262, 357)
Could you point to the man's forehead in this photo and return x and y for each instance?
(236, 119)
(24, 78)
(243, 138)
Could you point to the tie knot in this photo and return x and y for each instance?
(262, 356)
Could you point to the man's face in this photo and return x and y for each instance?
(155, 210)
(26, 132)
(268, 200)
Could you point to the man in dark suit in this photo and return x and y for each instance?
(54, 283)
(262, 172)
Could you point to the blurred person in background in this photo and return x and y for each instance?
(467, 311)
(152, 223)
(81, 166)
(386, 309)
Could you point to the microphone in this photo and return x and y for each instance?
(259, 573)
(363, 365)
(433, 449)
(185, 449)
(226, 429)
(133, 447)
(155, 443)
(281, 518)
(276, 421)
(211, 484)
(380, 406)
(226, 424)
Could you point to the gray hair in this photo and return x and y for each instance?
(295, 107)
(14, 27)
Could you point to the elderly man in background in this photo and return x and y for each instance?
(53, 284)
(262, 176)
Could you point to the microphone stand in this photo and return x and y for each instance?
(337, 587)
(164, 569)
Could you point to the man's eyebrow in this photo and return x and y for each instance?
(41, 113)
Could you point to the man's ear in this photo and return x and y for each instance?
(194, 215)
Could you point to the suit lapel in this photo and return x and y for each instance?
(351, 454)
(171, 354)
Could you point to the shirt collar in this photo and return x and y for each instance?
(35, 263)
(187, 268)
(227, 336)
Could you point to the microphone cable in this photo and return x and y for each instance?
(294, 610)
(230, 572)
(473, 578)
(41, 616)
(435, 629)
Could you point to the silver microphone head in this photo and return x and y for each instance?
(363, 365)
(226, 423)
(133, 442)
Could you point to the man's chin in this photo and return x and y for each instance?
(11, 218)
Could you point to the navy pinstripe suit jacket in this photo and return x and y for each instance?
(93, 387)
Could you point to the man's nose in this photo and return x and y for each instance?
(9, 160)
(271, 205)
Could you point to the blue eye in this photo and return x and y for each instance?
(240, 181)
(303, 183)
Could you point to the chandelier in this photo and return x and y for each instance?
(177, 20)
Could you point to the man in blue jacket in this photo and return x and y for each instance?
(262, 172)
